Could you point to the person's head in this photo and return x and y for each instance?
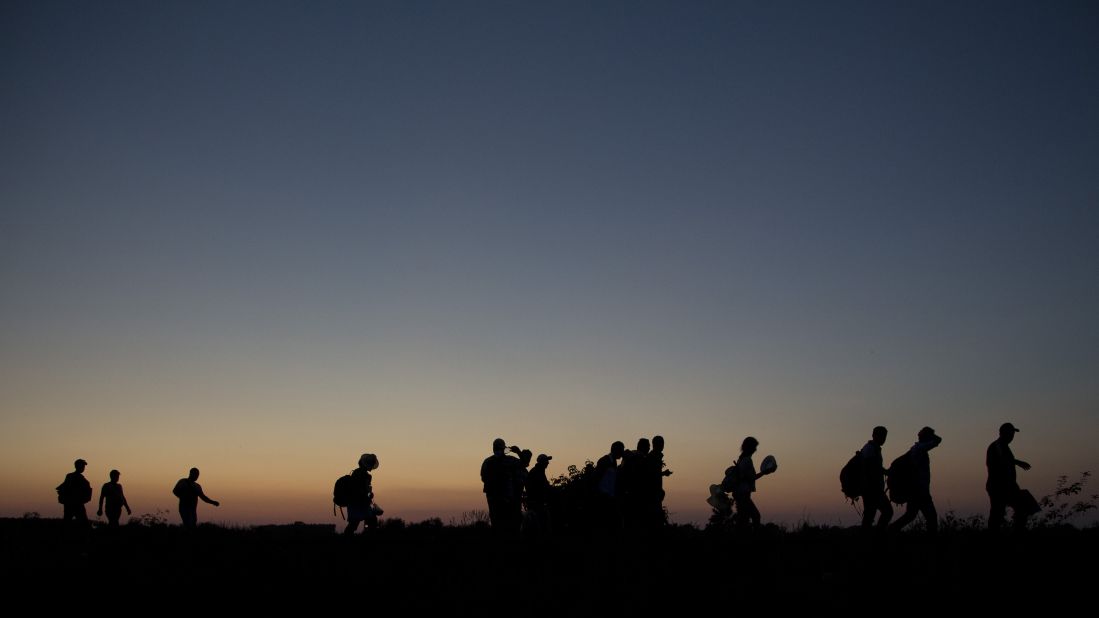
(926, 434)
(193, 474)
(114, 476)
(525, 456)
(1007, 432)
(368, 461)
(617, 449)
(498, 446)
(544, 459)
(879, 435)
(658, 444)
(79, 465)
(749, 445)
(643, 446)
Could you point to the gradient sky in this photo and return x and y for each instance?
(262, 238)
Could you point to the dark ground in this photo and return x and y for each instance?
(464, 571)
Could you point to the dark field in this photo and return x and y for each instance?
(466, 570)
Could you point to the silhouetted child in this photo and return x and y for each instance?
(111, 493)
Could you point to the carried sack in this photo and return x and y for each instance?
(342, 493)
(729, 482)
(1026, 505)
(902, 478)
(851, 478)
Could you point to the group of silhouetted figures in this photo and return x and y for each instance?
(907, 482)
(624, 489)
(75, 491)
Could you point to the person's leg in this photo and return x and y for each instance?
(869, 509)
(930, 515)
(910, 512)
(996, 510)
(886, 511)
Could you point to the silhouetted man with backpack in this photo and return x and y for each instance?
(874, 499)
(1003, 489)
(919, 498)
(73, 493)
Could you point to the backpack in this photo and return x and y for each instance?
(851, 478)
(729, 482)
(901, 478)
(342, 493)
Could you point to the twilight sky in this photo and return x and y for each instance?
(262, 238)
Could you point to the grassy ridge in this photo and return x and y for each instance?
(467, 570)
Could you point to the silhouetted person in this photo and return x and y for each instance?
(1003, 490)
(189, 492)
(111, 493)
(538, 490)
(519, 476)
(607, 486)
(498, 477)
(73, 493)
(655, 472)
(920, 501)
(874, 499)
(631, 483)
(746, 476)
(361, 497)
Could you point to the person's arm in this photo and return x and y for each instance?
(124, 503)
(929, 443)
(1022, 464)
(102, 497)
(204, 498)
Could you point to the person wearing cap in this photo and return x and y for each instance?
(189, 492)
(921, 501)
(74, 492)
(362, 495)
(538, 490)
(1002, 487)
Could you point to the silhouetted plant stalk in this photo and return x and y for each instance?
(1064, 506)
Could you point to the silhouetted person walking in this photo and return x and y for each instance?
(920, 500)
(632, 483)
(538, 490)
(361, 497)
(874, 499)
(189, 492)
(519, 476)
(745, 485)
(111, 493)
(73, 493)
(1003, 490)
(498, 477)
(607, 486)
(654, 483)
